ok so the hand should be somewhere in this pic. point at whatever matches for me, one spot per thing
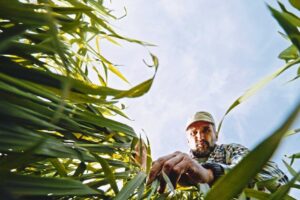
(179, 166)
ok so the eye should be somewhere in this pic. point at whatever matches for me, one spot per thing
(193, 132)
(206, 129)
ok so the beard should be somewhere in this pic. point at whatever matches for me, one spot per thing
(203, 153)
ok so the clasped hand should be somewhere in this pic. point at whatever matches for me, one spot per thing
(181, 169)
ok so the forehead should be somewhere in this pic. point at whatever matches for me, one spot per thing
(199, 124)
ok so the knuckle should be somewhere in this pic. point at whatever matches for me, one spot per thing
(186, 156)
(159, 160)
(154, 163)
(167, 165)
(176, 170)
(151, 173)
(177, 152)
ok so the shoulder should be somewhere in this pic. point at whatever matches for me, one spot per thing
(234, 147)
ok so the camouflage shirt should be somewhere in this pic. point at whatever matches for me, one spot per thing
(229, 155)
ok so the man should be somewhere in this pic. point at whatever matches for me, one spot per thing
(208, 160)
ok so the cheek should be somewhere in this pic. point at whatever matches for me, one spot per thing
(211, 139)
(191, 141)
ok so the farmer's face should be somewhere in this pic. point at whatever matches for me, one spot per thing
(201, 138)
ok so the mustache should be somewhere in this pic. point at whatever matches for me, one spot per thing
(204, 141)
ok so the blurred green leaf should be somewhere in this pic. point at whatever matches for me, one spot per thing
(296, 155)
(270, 184)
(230, 185)
(292, 132)
(256, 194)
(290, 169)
(131, 186)
(283, 190)
(295, 3)
(289, 24)
(22, 185)
(59, 167)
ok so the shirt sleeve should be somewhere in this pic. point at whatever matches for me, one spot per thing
(234, 153)
(227, 156)
(272, 171)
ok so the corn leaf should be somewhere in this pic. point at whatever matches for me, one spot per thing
(231, 184)
(131, 186)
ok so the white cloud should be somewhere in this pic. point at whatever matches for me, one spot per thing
(209, 52)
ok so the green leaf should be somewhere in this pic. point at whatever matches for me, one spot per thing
(230, 185)
(142, 88)
(80, 169)
(149, 158)
(9, 34)
(282, 192)
(255, 88)
(17, 161)
(70, 10)
(296, 186)
(256, 194)
(290, 169)
(105, 122)
(24, 15)
(33, 186)
(292, 132)
(270, 184)
(140, 191)
(288, 22)
(28, 117)
(296, 155)
(154, 187)
(59, 167)
(295, 3)
(109, 175)
(57, 81)
(131, 186)
(298, 75)
(114, 70)
(168, 181)
(290, 53)
(18, 139)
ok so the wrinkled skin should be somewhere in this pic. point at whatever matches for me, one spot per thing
(180, 167)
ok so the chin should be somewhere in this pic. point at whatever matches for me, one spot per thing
(200, 154)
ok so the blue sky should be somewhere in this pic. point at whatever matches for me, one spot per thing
(210, 52)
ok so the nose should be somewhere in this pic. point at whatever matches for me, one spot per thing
(202, 135)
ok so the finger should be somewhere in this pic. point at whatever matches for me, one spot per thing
(157, 166)
(169, 164)
(185, 180)
(190, 169)
(163, 185)
(174, 178)
(182, 166)
(177, 171)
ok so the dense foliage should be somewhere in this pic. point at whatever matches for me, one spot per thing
(58, 136)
